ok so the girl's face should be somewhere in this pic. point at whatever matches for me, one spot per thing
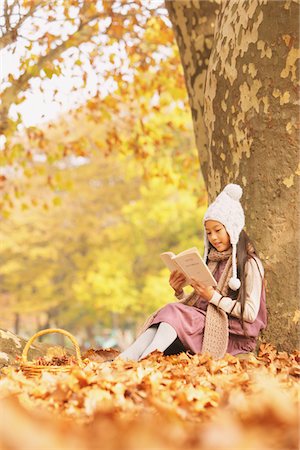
(217, 235)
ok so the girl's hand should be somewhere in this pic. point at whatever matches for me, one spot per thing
(177, 280)
(205, 292)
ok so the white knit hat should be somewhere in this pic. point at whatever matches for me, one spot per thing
(228, 210)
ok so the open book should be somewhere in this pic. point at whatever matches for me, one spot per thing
(190, 263)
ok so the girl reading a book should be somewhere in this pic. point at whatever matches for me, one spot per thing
(224, 319)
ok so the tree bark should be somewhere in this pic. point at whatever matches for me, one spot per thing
(250, 114)
(193, 24)
(17, 322)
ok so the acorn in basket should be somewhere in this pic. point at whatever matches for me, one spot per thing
(56, 360)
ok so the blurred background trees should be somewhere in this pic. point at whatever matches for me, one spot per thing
(90, 197)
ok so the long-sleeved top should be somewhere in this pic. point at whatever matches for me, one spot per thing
(253, 279)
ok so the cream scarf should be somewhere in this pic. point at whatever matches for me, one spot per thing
(215, 340)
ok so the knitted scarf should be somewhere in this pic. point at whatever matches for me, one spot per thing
(215, 339)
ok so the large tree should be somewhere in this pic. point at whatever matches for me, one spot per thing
(239, 60)
(113, 58)
(245, 119)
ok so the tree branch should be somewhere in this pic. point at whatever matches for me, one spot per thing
(81, 35)
(6, 15)
(11, 34)
(9, 95)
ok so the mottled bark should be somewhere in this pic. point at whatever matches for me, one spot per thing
(193, 24)
(251, 112)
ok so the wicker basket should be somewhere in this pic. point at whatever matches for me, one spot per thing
(30, 369)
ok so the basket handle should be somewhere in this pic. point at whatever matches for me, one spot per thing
(52, 330)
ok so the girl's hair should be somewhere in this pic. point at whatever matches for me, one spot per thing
(245, 251)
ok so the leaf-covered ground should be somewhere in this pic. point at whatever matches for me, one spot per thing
(162, 402)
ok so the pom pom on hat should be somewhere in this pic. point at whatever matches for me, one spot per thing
(234, 191)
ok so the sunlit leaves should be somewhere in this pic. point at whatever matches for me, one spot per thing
(96, 251)
(104, 247)
(202, 403)
(144, 93)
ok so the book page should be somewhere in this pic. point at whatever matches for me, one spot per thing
(189, 250)
(168, 259)
(193, 265)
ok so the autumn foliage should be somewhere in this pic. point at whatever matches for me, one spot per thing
(87, 203)
(163, 402)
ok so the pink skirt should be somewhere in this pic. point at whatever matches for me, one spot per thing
(189, 323)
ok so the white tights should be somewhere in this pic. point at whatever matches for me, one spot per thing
(152, 339)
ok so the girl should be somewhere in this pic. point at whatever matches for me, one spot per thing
(225, 319)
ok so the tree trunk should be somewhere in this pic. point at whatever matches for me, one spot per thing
(193, 25)
(17, 323)
(250, 113)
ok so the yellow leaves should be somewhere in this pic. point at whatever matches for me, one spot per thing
(201, 398)
(56, 201)
(95, 398)
(230, 403)
(176, 93)
(28, 3)
(150, 70)
(147, 118)
(90, 9)
(16, 151)
(157, 32)
(117, 30)
(51, 69)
